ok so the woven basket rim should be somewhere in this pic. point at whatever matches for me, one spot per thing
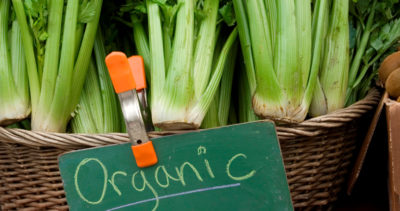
(309, 127)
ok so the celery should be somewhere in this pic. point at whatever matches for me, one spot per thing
(142, 43)
(58, 42)
(335, 67)
(89, 113)
(219, 110)
(182, 39)
(14, 93)
(98, 109)
(245, 109)
(285, 50)
(211, 118)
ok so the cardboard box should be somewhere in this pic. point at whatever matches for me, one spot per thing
(393, 123)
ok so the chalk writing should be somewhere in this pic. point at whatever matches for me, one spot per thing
(202, 151)
(76, 176)
(112, 181)
(167, 176)
(162, 177)
(247, 176)
(223, 168)
(180, 172)
(145, 184)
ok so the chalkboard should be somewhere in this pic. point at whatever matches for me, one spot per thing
(237, 167)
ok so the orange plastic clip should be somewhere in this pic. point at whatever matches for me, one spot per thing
(145, 154)
(120, 72)
(137, 66)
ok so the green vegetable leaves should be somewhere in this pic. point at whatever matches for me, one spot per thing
(87, 11)
(228, 14)
(375, 28)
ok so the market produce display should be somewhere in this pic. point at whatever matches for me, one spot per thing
(311, 66)
(208, 63)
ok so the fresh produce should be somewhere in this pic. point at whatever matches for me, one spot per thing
(58, 40)
(245, 109)
(219, 110)
(299, 57)
(14, 92)
(182, 36)
(374, 30)
(391, 63)
(330, 91)
(282, 48)
(98, 109)
(392, 84)
(389, 74)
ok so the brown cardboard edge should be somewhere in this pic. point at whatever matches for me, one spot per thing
(393, 116)
(365, 145)
(393, 122)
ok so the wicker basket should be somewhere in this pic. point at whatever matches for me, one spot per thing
(317, 155)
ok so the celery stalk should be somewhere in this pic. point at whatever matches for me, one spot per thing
(319, 104)
(203, 54)
(18, 67)
(82, 61)
(142, 44)
(89, 113)
(226, 87)
(267, 91)
(286, 59)
(177, 91)
(111, 108)
(56, 119)
(304, 38)
(98, 110)
(335, 67)
(51, 59)
(245, 109)
(14, 94)
(211, 118)
(197, 113)
(218, 112)
(245, 42)
(320, 19)
(157, 67)
(27, 42)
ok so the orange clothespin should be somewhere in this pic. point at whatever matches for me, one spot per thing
(129, 83)
(137, 66)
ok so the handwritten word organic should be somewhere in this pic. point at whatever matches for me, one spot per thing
(162, 176)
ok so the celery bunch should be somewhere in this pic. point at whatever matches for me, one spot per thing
(58, 40)
(282, 47)
(14, 92)
(178, 47)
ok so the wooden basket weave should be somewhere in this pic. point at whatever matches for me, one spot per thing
(317, 155)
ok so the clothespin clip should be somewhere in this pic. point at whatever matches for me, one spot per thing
(129, 83)
(137, 66)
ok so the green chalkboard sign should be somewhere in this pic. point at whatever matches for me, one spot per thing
(237, 167)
